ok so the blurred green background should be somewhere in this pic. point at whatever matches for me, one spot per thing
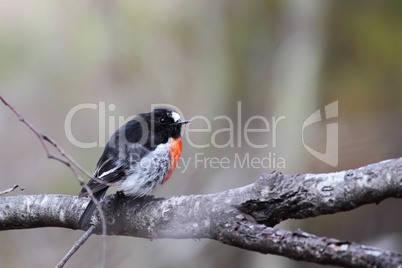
(277, 58)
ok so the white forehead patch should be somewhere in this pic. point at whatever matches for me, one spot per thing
(175, 116)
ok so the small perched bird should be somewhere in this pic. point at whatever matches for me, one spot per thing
(139, 156)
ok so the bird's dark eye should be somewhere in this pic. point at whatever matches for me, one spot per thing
(162, 120)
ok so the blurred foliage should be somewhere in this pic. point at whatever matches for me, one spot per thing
(363, 64)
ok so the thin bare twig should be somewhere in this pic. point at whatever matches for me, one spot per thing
(76, 246)
(68, 161)
(9, 190)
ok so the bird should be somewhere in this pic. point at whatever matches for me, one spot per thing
(140, 156)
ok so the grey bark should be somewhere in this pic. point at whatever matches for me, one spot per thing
(241, 217)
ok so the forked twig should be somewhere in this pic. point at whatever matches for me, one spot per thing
(69, 162)
(9, 190)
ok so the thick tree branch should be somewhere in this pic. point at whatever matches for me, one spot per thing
(282, 197)
(240, 217)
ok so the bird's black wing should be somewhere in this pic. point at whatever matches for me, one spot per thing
(114, 165)
(110, 169)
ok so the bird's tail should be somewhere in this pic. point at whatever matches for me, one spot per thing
(86, 216)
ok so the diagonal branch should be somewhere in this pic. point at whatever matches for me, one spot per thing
(240, 217)
(66, 159)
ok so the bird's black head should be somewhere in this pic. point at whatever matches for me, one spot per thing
(154, 128)
(166, 123)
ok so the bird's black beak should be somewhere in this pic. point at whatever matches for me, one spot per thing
(182, 122)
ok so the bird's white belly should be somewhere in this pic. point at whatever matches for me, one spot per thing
(148, 173)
